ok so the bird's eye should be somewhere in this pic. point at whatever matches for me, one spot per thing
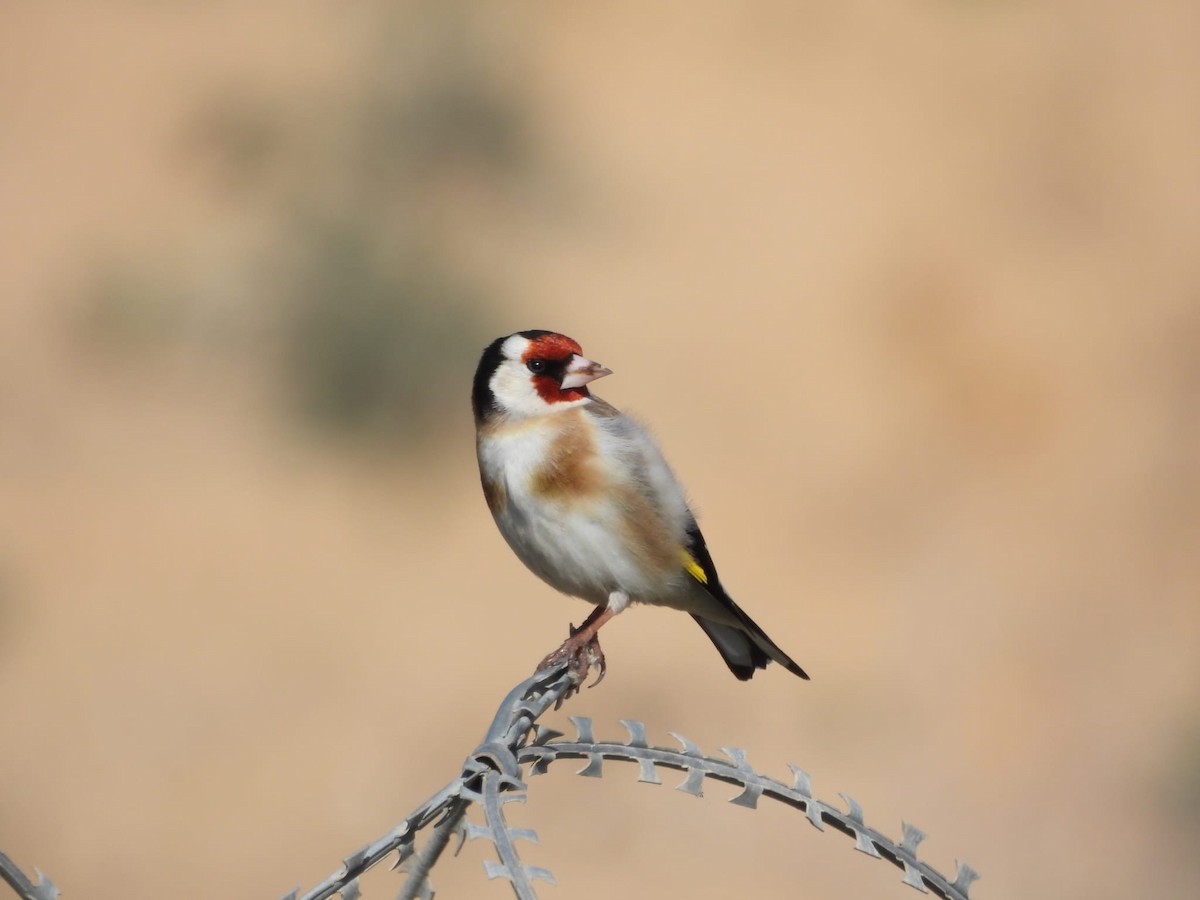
(536, 366)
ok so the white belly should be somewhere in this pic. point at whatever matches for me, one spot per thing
(577, 545)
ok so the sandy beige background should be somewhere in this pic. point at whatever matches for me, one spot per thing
(910, 293)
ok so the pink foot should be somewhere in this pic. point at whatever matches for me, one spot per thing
(581, 652)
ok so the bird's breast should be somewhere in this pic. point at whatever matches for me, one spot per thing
(549, 460)
(569, 471)
(570, 507)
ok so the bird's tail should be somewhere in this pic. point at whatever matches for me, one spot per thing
(747, 648)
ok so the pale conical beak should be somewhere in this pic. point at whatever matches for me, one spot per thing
(581, 371)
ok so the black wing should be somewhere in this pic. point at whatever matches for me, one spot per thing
(746, 647)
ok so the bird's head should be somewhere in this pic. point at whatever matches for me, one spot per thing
(532, 373)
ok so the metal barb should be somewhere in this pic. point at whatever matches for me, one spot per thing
(908, 844)
(474, 831)
(855, 814)
(802, 786)
(352, 864)
(693, 784)
(966, 875)
(801, 780)
(911, 837)
(637, 733)
(647, 774)
(544, 733)
(751, 791)
(689, 748)
(546, 875)
(403, 854)
(912, 877)
(43, 889)
(862, 840)
(594, 767)
(583, 729)
(493, 870)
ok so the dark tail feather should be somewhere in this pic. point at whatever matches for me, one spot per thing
(743, 653)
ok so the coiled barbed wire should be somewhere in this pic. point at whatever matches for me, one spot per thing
(493, 775)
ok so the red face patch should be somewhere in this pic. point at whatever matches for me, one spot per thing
(550, 390)
(554, 348)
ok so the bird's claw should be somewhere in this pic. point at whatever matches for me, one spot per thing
(595, 657)
(580, 656)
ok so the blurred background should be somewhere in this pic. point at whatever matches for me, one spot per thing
(909, 292)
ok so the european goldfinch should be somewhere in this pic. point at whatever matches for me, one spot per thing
(586, 500)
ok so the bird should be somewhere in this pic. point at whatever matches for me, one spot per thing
(586, 500)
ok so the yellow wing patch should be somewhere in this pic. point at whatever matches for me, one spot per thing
(693, 567)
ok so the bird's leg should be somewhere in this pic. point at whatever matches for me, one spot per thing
(582, 649)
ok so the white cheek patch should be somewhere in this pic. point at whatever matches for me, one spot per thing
(513, 387)
(511, 382)
(515, 392)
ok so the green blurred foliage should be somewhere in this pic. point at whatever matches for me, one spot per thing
(371, 346)
(129, 310)
(1180, 780)
(354, 289)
